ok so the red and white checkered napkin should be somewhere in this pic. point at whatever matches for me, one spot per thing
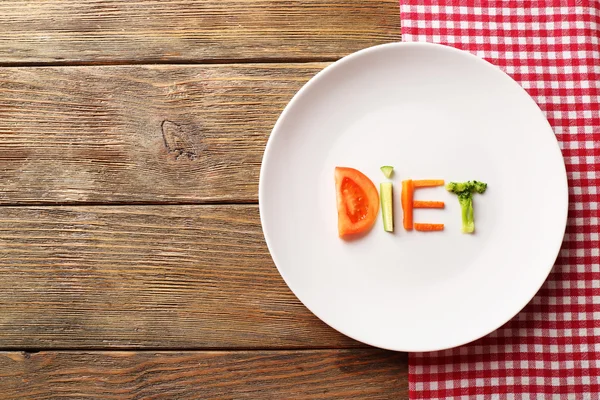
(551, 350)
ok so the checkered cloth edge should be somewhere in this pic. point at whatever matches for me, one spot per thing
(551, 350)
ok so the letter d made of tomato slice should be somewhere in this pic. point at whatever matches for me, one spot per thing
(357, 201)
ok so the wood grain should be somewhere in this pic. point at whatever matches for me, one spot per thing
(325, 374)
(150, 31)
(141, 134)
(146, 276)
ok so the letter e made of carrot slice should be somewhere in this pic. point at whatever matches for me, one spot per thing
(409, 204)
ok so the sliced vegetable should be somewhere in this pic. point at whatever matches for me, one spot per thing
(428, 227)
(387, 171)
(428, 204)
(464, 191)
(408, 190)
(357, 201)
(387, 210)
(428, 182)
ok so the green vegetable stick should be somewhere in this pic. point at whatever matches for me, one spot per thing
(387, 211)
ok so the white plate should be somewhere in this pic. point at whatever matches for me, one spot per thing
(432, 112)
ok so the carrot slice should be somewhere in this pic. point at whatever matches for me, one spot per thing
(428, 182)
(428, 204)
(429, 227)
(408, 190)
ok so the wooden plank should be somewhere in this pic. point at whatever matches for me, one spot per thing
(146, 276)
(325, 374)
(109, 31)
(141, 134)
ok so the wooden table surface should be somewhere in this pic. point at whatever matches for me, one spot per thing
(132, 258)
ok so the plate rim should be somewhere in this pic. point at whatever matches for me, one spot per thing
(359, 53)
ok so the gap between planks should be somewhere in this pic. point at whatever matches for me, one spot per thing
(133, 203)
(196, 349)
(187, 63)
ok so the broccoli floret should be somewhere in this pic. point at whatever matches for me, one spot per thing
(478, 187)
(464, 191)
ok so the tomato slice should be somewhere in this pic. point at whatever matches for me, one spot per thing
(357, 201)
